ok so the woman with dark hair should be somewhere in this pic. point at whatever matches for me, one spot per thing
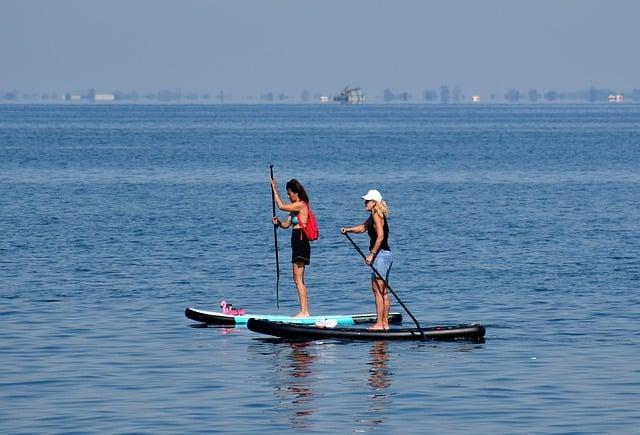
(298, 209)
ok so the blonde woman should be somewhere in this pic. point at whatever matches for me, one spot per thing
(379, 256)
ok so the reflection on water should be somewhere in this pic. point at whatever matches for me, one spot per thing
(378, 372)
(379, 381)
(297, 380)
(303, 379)
(292, 380)
(229, 330)
(299, 384)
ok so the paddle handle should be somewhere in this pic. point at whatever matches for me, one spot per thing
(387, 285)
(273, 196)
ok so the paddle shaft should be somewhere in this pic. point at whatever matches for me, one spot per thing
(275, 237)
(387, 284)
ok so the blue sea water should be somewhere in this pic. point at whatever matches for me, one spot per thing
(114, 219)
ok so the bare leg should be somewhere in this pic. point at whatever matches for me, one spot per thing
(377, 287)
(386, 303)
(298, 279)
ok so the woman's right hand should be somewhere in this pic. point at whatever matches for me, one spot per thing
(275, 221)
(344, 230)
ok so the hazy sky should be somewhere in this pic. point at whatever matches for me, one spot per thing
(252, 46)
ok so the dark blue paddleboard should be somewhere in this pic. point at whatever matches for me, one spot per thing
(472, 332)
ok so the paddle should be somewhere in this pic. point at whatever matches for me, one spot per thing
(275, 236)
(387, 284)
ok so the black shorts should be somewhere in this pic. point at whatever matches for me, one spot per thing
(300, 249)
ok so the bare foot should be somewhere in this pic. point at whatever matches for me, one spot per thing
(301, 314)
(376, 327)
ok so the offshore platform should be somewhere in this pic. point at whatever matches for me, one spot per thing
(350, 96)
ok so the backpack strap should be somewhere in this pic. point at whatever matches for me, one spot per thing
(300, 221)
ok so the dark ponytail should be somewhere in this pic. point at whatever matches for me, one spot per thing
(295, 186)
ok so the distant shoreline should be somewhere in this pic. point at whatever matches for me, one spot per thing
(289, 103)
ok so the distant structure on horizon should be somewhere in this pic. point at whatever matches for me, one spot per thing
(91, 96)
(350, 96)
(104, 97)
(619, 98)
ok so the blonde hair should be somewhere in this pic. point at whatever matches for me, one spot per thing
(382, 209)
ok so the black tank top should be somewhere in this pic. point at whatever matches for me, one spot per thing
(373, 235)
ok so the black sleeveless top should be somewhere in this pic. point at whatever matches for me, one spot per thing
(373, 235)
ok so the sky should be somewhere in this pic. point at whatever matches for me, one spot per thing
(255, 46)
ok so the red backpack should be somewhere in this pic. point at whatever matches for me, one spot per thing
(311, 229)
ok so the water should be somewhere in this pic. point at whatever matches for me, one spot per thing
(115, 218)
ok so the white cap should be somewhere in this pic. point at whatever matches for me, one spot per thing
(374, 195)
